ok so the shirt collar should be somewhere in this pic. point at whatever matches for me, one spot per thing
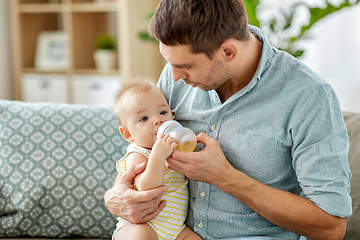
(265, 57)
(266, 53)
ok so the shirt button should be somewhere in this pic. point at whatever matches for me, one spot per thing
(214, 96)
(212, 128)
(202, 194)
(200, 225)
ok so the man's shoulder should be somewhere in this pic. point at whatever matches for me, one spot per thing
(295, 71)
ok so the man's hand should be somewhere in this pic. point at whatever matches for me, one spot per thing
(207, 165)
(282, 208)
(135, 206)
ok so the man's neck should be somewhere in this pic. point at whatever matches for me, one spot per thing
(246, 66)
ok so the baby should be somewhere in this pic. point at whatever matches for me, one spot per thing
(141, 108)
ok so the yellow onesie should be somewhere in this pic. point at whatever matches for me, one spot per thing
(170, 221)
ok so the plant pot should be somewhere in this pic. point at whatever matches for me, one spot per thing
(105, 60)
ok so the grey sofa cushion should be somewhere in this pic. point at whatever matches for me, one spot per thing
(56, 162)
(352, 121)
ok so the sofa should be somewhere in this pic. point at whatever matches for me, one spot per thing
(57, 161)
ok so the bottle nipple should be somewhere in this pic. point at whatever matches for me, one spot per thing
(184, 137)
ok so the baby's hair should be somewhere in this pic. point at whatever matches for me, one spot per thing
(137, 86)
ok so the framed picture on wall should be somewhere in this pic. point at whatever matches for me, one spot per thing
(52, 51)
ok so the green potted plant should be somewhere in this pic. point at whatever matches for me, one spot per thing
(105, 53)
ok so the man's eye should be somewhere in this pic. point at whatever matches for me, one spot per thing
(163, 113)
(143, 119)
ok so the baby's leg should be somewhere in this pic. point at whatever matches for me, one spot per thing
(135, 232)
(188, 234)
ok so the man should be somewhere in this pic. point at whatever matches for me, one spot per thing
(274, 161)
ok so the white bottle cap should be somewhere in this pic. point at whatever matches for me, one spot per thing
(164, 128)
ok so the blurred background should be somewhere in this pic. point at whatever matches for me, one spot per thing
(325, 33)
(49, 47)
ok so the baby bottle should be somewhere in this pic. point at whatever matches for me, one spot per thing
(184, 137)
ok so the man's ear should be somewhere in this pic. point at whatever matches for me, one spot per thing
(126, 134)
(229, 49)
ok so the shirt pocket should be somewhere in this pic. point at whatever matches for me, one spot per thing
(252, 154)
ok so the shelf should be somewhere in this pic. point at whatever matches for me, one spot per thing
(82, 21)
(96, 72)
(94, 7)
(66, 7)
(34, 70)
(72, 71)
(41, 8)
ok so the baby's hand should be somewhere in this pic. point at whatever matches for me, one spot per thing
(164, 146)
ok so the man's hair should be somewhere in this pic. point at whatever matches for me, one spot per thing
(139, 86)
(203, 24)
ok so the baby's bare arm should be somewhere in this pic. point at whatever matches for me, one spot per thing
(153, 176)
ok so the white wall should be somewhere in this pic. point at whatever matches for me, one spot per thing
(335, 54)
(6, 91)
(333, 47)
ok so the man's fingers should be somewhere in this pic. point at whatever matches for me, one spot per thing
(152, 194)
(147, 209)
(203, 138)
(128, 176)
(139, 168)
(179, 156)
(152, 215)
(134, 170)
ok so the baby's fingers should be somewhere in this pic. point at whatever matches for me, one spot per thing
(160, 136)
(171, 141)
(173, 144)
(168, 138)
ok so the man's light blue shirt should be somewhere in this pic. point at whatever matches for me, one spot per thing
(285, 129)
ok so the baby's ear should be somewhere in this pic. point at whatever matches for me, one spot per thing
(126, 134)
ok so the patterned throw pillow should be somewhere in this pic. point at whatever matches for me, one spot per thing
(56, 162)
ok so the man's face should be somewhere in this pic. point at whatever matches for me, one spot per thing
(194, 69)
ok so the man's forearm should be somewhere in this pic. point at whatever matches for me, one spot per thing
(287, 210)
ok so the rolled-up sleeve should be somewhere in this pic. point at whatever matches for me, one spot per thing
(320, 151)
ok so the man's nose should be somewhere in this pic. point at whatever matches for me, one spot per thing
(178, 74)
